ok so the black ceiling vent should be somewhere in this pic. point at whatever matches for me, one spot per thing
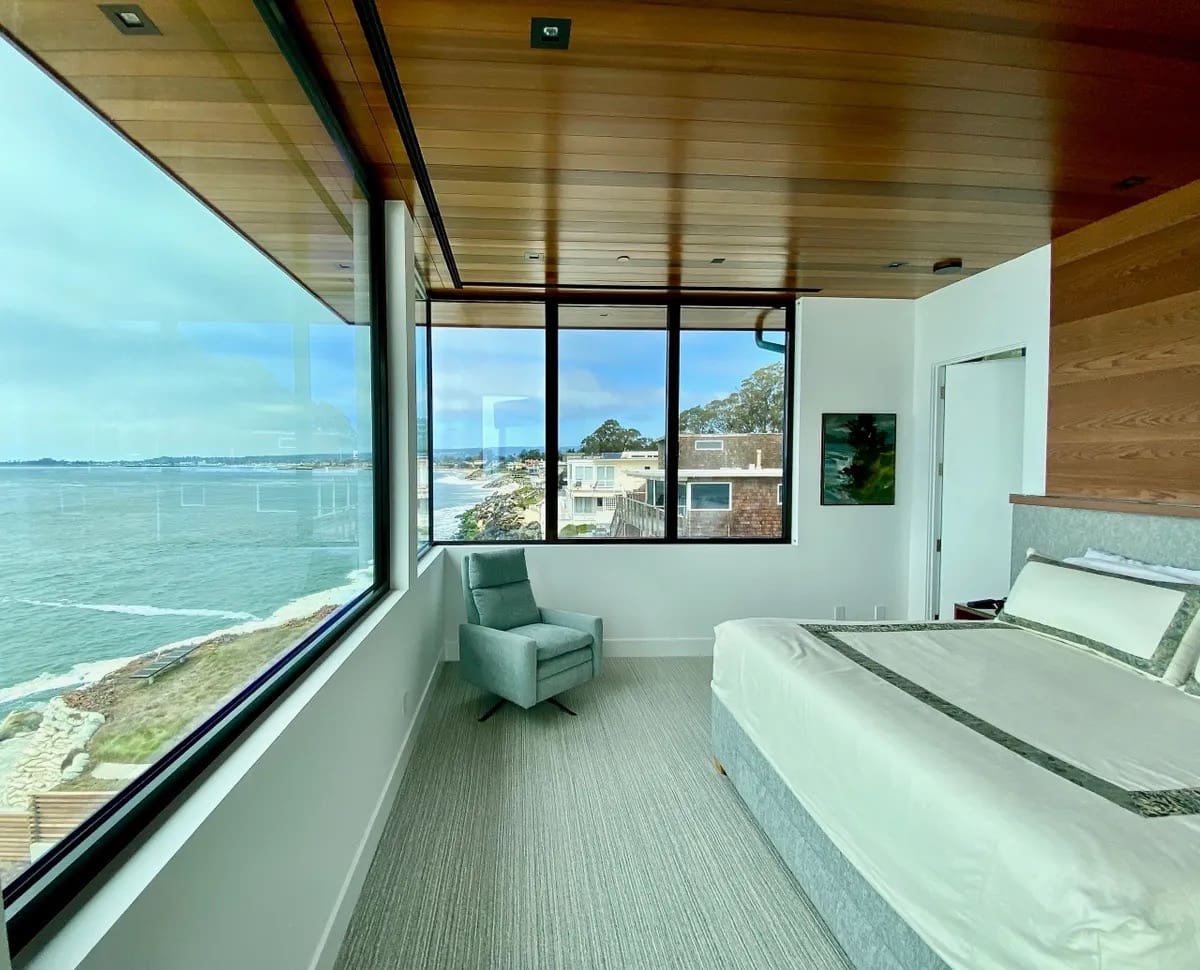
(129, 18)
(550, 32)
(1131, 182)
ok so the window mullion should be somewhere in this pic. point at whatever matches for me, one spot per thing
(671, 442)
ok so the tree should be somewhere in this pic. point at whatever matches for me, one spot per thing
(757, 406)
(612, 437)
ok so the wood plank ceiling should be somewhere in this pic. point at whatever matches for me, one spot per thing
(805, 143)
(215, 101)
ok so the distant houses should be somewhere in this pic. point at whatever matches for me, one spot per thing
(730, 485)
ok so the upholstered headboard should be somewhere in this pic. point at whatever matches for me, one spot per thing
(1062, 532)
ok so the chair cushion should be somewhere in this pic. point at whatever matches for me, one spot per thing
(553, 641)
(497, 568)
(564, 661)
(505, 607)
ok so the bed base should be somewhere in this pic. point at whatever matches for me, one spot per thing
(871, 933)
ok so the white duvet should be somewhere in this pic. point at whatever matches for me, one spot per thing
(996, 861)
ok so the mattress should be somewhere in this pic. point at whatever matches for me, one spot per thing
(1019, 802)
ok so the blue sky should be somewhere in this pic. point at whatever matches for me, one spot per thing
(489, 385)
(133, 322)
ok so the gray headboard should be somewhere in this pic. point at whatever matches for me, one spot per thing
(1060, 533)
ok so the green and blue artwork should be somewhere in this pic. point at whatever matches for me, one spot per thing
(858, 459)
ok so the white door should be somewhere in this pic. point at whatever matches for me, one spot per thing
(982, 439)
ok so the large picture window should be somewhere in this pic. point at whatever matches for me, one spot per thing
(718, 472)
(489, 422)
(612, 412)
(188, 489)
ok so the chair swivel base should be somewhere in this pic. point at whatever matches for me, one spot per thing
(501, 702)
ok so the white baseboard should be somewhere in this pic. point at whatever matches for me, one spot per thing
(335, 929)
(633, 647)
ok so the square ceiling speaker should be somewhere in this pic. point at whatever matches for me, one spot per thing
(550, 32)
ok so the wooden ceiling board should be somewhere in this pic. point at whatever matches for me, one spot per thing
(214, 101)
(812, 143)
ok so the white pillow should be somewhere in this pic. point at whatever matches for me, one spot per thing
(1175, 573)
(1121, 568)
(1149, 625)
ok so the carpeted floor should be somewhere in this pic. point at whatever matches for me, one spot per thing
(538, 840)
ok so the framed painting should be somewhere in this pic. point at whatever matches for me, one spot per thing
(858, 459)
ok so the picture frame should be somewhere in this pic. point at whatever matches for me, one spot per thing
(858, 458)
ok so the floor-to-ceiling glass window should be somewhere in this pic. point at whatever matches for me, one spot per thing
(732, 421)
(612, 405)
(489, 422)
(187, 484)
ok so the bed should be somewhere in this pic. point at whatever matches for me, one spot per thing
(970, 795)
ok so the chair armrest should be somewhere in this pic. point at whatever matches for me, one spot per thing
(498, 661)
(582, 622)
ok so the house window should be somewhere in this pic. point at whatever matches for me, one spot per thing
(489, 407)
(582, 505)
(612, 397)
(710, 496)
(732, 400)
(207, 412)
(611, 369)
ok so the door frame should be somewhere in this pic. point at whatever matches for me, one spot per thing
(933, 575)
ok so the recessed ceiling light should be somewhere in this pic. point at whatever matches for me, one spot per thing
(1132, 182)
(129, 18)
(717, 259)
(553, 33)
(896, 264)
(622, 259)
(947, 266)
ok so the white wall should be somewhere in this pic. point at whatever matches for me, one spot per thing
(259, 866)
(1005, 307)
(853, 355)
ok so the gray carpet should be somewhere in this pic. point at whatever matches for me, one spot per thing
(538, 840)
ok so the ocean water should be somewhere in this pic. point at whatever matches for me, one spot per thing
(453, 495)
(104, 563)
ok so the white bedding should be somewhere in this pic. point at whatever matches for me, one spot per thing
(995, 860)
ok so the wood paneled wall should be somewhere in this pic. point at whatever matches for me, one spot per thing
(1124, 418)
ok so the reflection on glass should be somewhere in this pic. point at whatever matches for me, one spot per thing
(489, 411)
(421, 392)
(612, 415)
(185, 462)
(731, 424)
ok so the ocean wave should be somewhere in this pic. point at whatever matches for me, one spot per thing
(80, 675)
(137, 610)
(459, 480)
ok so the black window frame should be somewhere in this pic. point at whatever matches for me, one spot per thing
(675, 302)
(37, 896)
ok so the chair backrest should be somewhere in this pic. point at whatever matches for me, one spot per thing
(483, 569)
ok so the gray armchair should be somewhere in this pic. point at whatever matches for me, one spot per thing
(511, 647)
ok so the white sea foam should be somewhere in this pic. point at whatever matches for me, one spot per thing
(445, 521)
(137, 610)
(77, 676)
(457, 480)
(83, 674)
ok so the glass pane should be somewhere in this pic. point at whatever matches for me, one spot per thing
(185, 455)
(612, 418)
(731, 423)
(421, 394)
(489, 412)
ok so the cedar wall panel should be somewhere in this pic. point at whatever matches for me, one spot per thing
(1124, 418)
